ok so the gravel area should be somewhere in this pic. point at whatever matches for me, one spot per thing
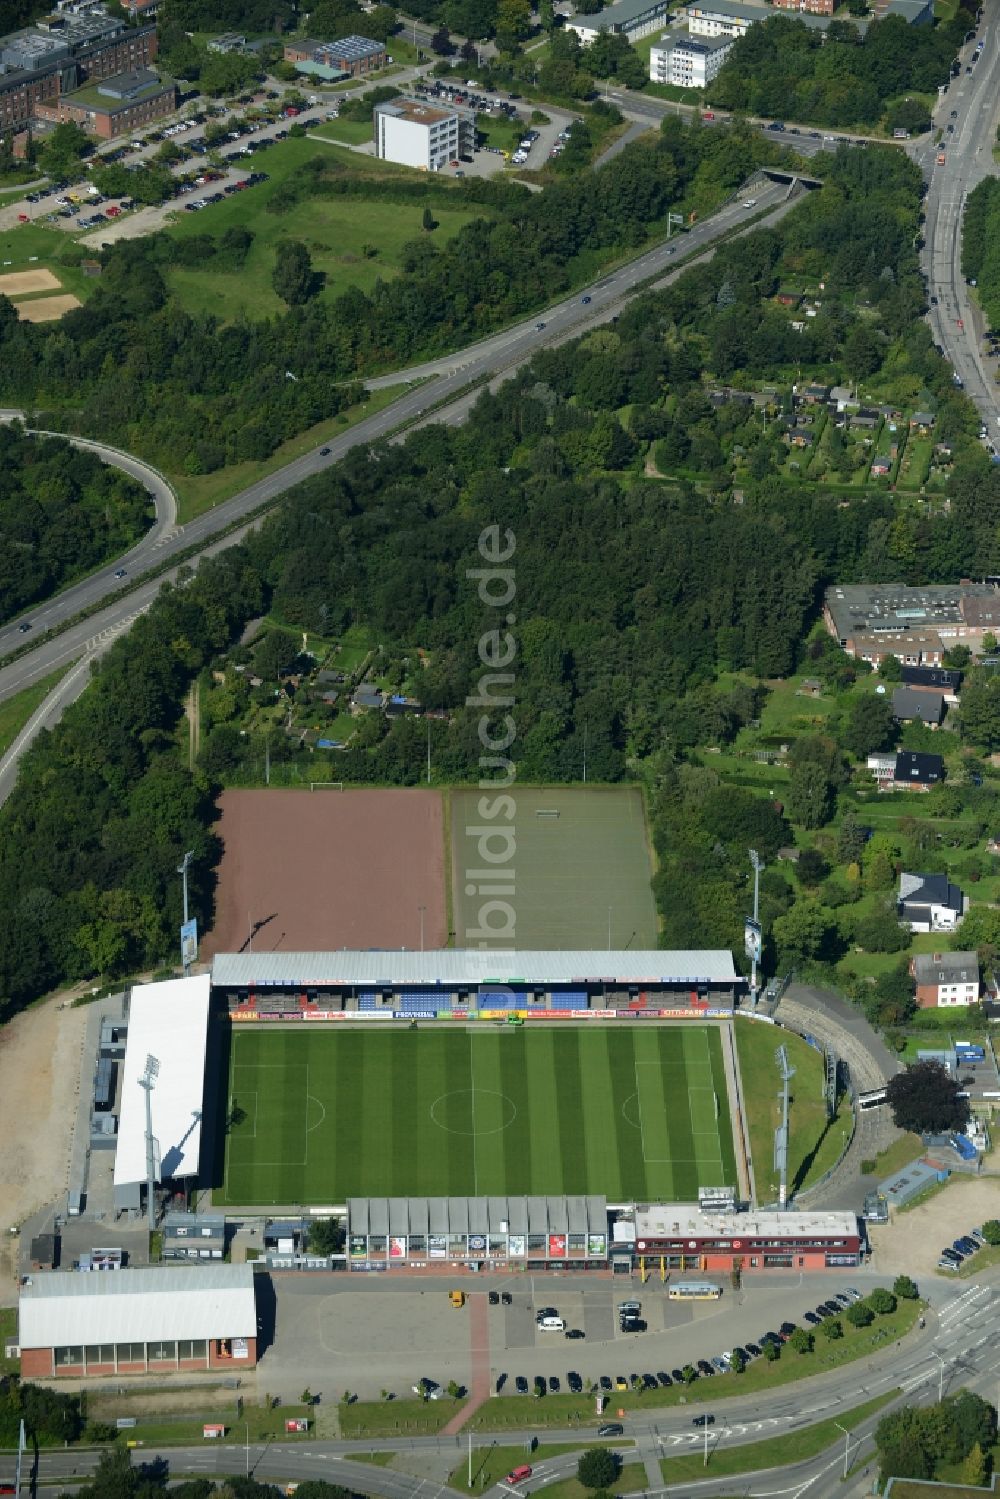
(39, 1085)
(912, 1241)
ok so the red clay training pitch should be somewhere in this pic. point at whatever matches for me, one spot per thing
(310, 871)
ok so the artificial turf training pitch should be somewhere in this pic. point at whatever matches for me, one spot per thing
(638, 1113)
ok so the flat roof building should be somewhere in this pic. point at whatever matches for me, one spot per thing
(350, 57)
(914, 624)
(138, 1322)
(425, 136)
(168, 1022)
(524, 1232)
(693, 1238)
(688, 61)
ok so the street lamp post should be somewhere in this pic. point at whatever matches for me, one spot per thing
(847, 1446)
(940, 1374)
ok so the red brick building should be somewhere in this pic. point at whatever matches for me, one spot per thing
(692, 1239)
(148, 1321)
(61, 53)
(115, 106)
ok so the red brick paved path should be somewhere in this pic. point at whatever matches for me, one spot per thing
(479, 1382)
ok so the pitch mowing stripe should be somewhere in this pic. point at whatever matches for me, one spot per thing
(494, 1115)
(519, 1161)
(546, 1163)
(602, 1121)
(460, 1147)
(570, 1105)
(727, 1146)
(633, 1174)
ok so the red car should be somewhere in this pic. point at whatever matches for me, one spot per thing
(22, 218)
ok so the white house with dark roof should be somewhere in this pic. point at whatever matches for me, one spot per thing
(929, 903)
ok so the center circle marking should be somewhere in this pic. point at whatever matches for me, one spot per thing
(509, 1107)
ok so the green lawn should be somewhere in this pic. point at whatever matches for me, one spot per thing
(812, 1147)
(775, 1452)
(350, 132)
(15, 711)
(8, 1333)
(627, 1113)
(353, 241)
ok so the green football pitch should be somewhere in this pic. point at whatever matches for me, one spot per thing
(638, 1113)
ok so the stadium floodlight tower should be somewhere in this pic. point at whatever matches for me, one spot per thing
(753, 927)
(148, 1082)
(781, 1133)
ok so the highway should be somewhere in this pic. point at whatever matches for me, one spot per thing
(443, 381)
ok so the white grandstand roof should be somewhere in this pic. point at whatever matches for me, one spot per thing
(138, 1306)
(666, 1220)
(458, 968)
(168, 1021)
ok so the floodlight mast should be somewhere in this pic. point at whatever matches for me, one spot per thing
(757, 865)
(781, 1133)
(147, 1082)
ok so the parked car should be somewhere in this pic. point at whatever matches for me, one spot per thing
(605, 1382)
(521, 1385)
(575, 1332)
(663, 1379)
(574, 1381)
(494, 1296)
(554, 1384)
(610, 1429)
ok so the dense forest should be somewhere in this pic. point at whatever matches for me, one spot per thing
(633, 596)
(189, 394)
(62, 513)
(785, 69)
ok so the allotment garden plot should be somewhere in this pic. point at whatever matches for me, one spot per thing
(578, 864)
(637, 1113)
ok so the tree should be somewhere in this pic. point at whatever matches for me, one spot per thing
(801, 1340)
(882, 1301)
(891, 669)
(293, 277)
(326, 1236)
(831, 1328)
(772, 1352)
(991, 1231)
(275, 656)
(869, 725)
(690, 1373)
(975, 1468)
(597, 1468)
(810, 796)
(925, 1099)
(905, 1288)
(428, 221)
(811, 868)
(808, 930)
(860, 1315)
(980, 712)
(738, 1361)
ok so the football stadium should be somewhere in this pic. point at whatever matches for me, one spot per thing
(344, 1076)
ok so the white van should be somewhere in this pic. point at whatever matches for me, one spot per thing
(552, 1324)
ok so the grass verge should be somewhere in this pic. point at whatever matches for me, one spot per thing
(631, 1480)
(391, 1418)
(776, 1452)
(15, 711)
(8, 1334)
(814, 1146)
(493, 1463)
(201, 493)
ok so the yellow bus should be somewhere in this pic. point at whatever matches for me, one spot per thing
(694, 1290)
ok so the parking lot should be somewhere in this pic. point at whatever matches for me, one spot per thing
(411, 1331)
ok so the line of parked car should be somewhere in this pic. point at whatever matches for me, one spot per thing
(723, 1363)
(961, 1249)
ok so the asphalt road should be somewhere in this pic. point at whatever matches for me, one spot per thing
(958, 1347)
(451, 374)
(975, 98)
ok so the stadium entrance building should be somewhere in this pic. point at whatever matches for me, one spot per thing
(145, 1321)
(677, 1236)
(477, 1233)
(462, 984)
